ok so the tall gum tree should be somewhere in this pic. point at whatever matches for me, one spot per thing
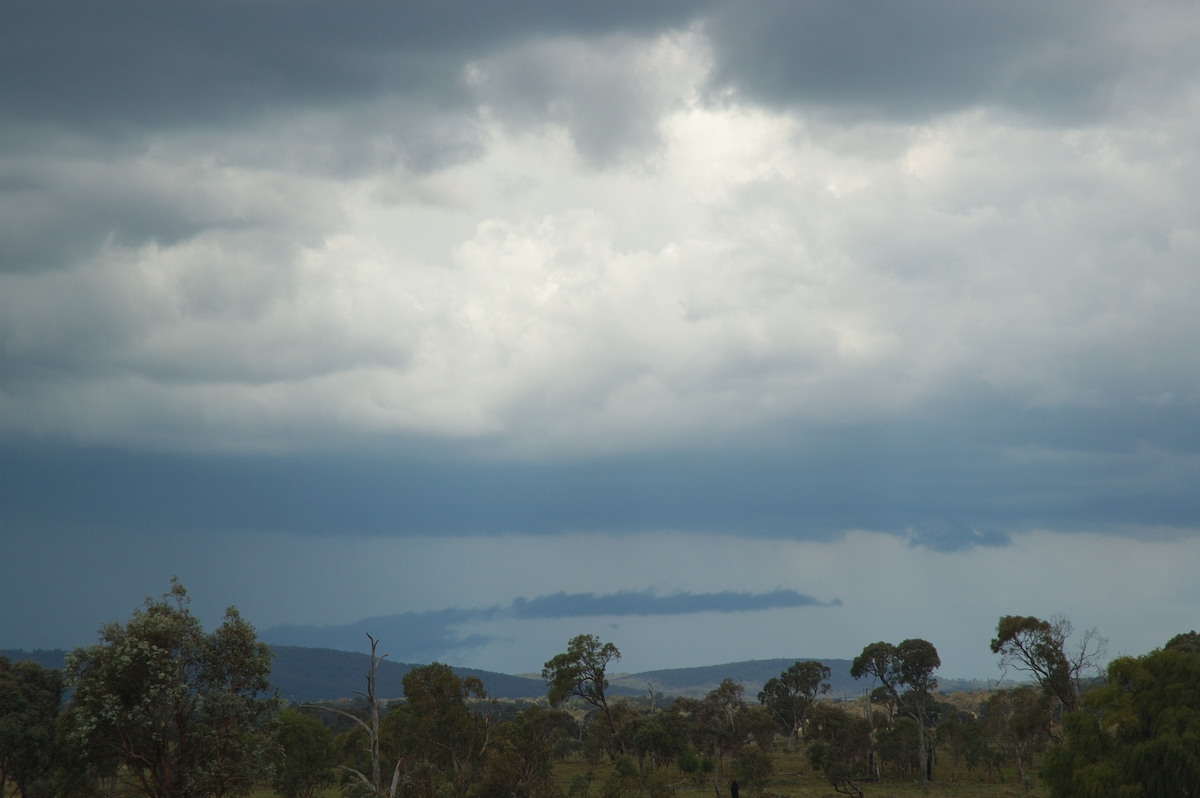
(580, 672)
(791, 694)
(1039, 647)
(908, 666)
(171, 711)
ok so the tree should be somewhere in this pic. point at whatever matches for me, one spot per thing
(519, 763)
(1139, 735)
(840, 747)
(30, 698)
(373, 783)
(909, 665)
(580, 672)
(1039, 647)
(718, 725)
(441, 732)
(1188, 642)
(1018, 722)
(790, 695)
(959, 734)
(305, 755)
(177, 710)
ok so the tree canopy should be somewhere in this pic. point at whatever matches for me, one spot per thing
(580, 671)
(1136, 736)
(909, 666)
(168, 709)
(1039, 647)
(29, 703)
(791, 694)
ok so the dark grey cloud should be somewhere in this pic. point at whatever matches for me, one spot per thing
(961, 475)
(127, 65)
(428, 635)
(951, 536)
(648, 602)
(913, 60)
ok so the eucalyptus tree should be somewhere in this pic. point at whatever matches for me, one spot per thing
(1017, 721)
(840, 746)
(718, 726)
(908, 666)
(305, 754)
(30, 698)
(580, 672)
(520, 758)
(169, 710)
(440, 735)
(1040, 648)
(791, 694)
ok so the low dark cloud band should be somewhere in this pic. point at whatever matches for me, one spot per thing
(429, 635)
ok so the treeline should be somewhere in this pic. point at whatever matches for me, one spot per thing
(160, 708)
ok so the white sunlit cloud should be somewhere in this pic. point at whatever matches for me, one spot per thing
(732, 267)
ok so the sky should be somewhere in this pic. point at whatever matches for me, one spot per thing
(721, 331)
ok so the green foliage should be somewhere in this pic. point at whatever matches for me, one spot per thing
(660, 740)
(896, 745)
(580, 672)
(718, 725)
(1187, 642)
(30, 696)
(305, 755)
(753, 768)
(910, 666)
(1039, 647)
(439, 735)
(960, 737)
(790, 695)
(174, 712)
(1140, 734)
(1018, 722)
(840, 746)
(519, 759)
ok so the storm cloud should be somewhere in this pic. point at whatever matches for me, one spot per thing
(286, 283)
(434, 633)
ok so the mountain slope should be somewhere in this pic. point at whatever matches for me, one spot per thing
(317, 674)
(751, 674)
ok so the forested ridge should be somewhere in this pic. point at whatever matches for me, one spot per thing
(316, 674)
(161, 708)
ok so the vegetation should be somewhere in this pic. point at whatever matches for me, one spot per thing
(580, 672)
(30, 696)
(1039, 648)
(908, 666)
(1139, 733)
(792, 694)
(160, 708)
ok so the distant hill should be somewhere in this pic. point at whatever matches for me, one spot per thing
(750, 674)
(313, 674)
(316, 674)
(753, 674)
